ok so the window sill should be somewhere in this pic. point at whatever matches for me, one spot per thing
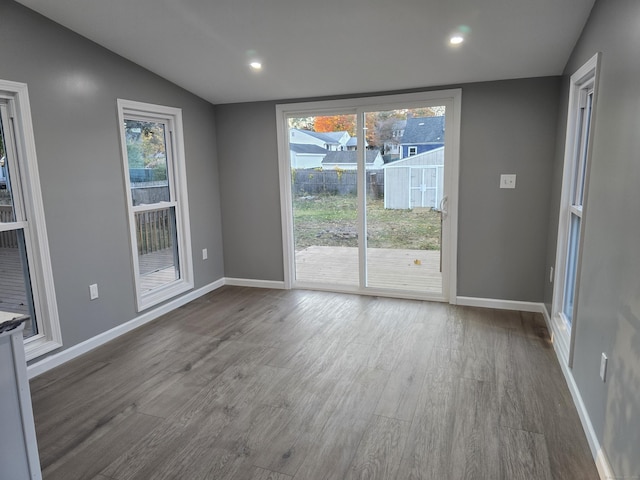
(162, 294)
(40, 345)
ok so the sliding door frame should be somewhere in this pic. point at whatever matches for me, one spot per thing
(451, 99)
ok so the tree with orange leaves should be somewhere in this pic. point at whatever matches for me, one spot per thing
(336, 123)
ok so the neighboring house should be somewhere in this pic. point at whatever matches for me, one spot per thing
(416, 181)
(392, 145)
(332, 141)
(306, 156)
(352, 144)
(347, 160)
(422, 134)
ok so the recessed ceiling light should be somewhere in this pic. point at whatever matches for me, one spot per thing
(255, 65)
(456, 39)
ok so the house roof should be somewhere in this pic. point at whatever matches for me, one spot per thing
(349, 156)
(424, 130)
(328, 137)
(307, 148)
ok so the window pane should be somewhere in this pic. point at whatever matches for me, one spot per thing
(147, 161)
(572, 266)
(157, 248)
(584, 151)
(7, 213)
(323, 155)
(16, 299)
(404, 198)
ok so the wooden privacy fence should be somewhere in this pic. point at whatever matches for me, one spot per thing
(7, 239)
(155, 230)
(335, 182)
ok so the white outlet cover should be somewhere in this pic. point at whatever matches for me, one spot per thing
(603, 367)
(508, 180)
(205, 254)
(93, 291)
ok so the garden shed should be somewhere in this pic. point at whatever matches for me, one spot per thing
(416, 181)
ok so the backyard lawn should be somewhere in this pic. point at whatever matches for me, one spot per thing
(330, 220)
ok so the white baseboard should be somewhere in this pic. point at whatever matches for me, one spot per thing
(500, 304)
(247, 282)
(70, 353)
(600, 457)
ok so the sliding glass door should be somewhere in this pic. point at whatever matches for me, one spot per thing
(405, 199)
(367, 191)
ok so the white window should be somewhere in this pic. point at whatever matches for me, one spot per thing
(26, 283)
(155, 177)
(582, 97)
(413, 151)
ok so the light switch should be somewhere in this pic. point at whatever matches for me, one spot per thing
(93, 291)
(508, 181)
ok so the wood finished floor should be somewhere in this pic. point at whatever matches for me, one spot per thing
(278, 385)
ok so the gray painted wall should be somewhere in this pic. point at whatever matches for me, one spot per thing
(250, 192)
(507, 127)
(608, 317)
(73, 87)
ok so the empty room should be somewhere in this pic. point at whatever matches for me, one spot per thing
(286, 241)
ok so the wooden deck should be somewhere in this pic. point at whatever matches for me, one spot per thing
(156, 269)
(13, 297)
(413, 270)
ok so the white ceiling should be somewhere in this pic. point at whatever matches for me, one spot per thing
(327, 47)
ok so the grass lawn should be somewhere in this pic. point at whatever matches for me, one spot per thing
(330, 220)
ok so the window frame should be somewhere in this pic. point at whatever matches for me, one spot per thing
(412, 151)
(573, 203)
(177, 179)
(31, 206)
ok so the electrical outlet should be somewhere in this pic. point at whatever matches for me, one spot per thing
(93, 291)
(603, 367)
(205, 255)
(507, 181)
(551, 275)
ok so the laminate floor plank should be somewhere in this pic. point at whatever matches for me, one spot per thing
(147, 457)
(400, 396)
(76, 421)
(295, 433)
(262, 384)
(521, 407)
(475, 438)
(523, 455)
(334, 449)
(452, 330)
(380, 451)
(97, 449)
(427, 454)
(483, 348)
(262, 474)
